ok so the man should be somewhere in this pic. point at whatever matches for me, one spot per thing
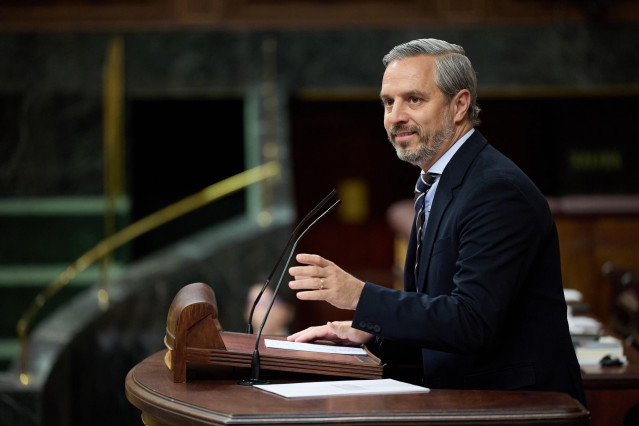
(483, 299)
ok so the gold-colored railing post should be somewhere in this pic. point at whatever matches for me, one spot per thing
(113, 150)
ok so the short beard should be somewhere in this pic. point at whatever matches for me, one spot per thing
(430, 144)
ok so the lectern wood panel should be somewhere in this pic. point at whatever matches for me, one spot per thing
(194, 336)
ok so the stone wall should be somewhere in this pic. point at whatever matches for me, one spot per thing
(50, 83)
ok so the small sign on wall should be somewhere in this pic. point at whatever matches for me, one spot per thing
(355, 206)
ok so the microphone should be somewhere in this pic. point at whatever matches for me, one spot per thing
(255, 360)
(310, 214)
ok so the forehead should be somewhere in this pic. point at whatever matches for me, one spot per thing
(413, 73)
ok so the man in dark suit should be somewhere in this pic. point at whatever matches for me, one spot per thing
(483, 302)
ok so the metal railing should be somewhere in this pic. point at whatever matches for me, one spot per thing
(127, 234)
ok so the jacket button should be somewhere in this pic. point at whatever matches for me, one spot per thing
(362, 324)
(377, 329)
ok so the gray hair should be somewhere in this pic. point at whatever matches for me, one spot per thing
(453, 70)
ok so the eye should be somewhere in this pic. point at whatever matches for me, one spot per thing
(414, 99)
(387, 102)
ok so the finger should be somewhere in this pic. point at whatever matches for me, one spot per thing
(296, 335)
(302, 277)
(308, 271)
(311, 259)
(306, 284)
(310, 334)
(312, 295)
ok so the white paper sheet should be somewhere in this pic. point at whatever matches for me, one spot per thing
(593, 362)
(313, 347)
(341, 387)
(583, 325)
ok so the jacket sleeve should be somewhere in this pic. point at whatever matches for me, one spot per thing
(488, 242)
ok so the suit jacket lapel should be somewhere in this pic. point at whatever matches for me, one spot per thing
(452, 177)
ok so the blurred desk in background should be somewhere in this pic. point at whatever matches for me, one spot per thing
(612, 392)
(595, 230)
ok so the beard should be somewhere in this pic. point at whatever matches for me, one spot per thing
(430, 143)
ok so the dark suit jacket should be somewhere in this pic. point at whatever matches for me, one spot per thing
(487, 309)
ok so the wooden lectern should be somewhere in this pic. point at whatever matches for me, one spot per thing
(214, 401)
(195, 336)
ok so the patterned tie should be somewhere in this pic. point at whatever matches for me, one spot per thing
(421, 188)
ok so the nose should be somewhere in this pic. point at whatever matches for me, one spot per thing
(397, 114)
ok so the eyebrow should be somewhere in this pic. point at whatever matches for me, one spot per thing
(417, 93)
(410, 93)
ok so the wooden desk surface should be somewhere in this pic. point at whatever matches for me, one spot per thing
(626, 376)
(611, 392)
(211, 402)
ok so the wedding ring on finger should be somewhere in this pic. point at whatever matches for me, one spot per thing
(321, 286)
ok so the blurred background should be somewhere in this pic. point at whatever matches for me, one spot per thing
(111, 110)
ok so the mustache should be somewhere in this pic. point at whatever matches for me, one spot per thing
(401, 128)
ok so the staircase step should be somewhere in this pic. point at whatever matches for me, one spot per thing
(9, 351)
(19, 286)
(39, 239)
(51, 230)
(60, 206)
(38, 276)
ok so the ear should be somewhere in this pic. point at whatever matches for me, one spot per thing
(461, 104)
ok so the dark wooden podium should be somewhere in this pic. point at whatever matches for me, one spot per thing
(206, 401)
